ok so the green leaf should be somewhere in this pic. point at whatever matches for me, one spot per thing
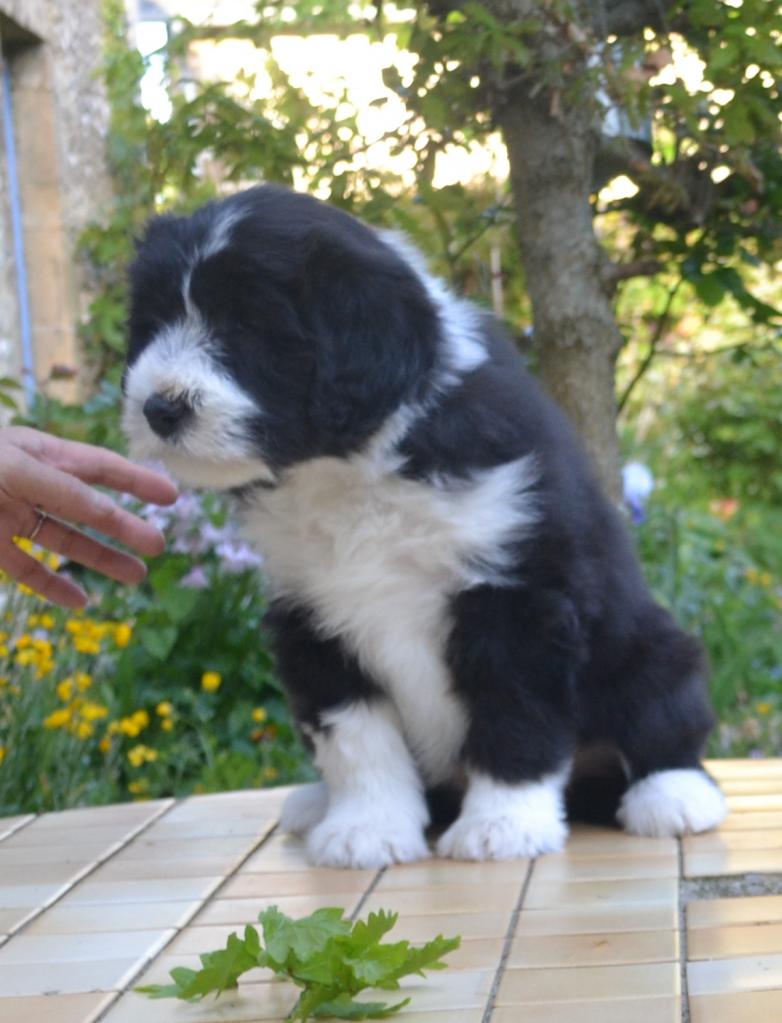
(323, 953)
(158, 640)
(345, 1007)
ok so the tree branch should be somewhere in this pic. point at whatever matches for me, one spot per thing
(654, 340)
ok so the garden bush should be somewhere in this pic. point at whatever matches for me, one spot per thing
(160, 690)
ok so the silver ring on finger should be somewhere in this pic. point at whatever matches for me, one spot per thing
(42, 517)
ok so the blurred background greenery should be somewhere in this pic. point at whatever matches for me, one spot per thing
(170, 688)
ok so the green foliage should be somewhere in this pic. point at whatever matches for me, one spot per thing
(323, 954)
(179, 692)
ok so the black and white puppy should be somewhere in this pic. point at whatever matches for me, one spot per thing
(455, 603)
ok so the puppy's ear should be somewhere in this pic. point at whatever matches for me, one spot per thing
(375, 332)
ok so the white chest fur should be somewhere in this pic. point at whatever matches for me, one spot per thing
(377, 557)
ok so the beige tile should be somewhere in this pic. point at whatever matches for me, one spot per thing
(469, 925)
(753, 909)
(729, 942)
(82, 1008)
(192, 941)
(563, 867)
(251, 1003)
(29, 855)
(621, 1010)
(16, 896)
(250, 828)
(749, 973)
(759, 820)
(442, 873)
(151, 844)
(245, 911)
(10, 919)
(552, 894)
(740, 1007)
(106, 838)
(65, 918)
(154, 869)
(589, 841)
(65, 978)
(170, 890)
(10, 824)
(447, 1016)
(462, 899)
(447, 989)
(745, 861)
(280, 853)
(733, 841)
(124, 815)
(473, 953)
(765, 802)
(646, 980)
(82, 948)
(42, 873)
(610, 919)
(605, 949)
(732, 767)
(318, 881)
(757, 786)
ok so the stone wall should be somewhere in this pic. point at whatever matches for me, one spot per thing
(53, 48)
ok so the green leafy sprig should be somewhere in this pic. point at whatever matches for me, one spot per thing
(327, 956)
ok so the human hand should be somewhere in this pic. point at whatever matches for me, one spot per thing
(44, 486)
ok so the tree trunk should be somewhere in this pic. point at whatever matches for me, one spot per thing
(551, 155)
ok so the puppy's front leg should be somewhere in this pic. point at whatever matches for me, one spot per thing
(370, 810)
(512, 653)
(376, 808)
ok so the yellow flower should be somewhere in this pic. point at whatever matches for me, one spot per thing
(47, 621)
(137, 788)
(58, 718)
(270, 773)
(165, 708)
(763, 708)
(259, 714)
(140, 718)
(167, 725)
(3, 751)
(122, 634)
(85, 645)
(141, 754)
(83, 681)
(105, 744)
(3, 681)
(82, 730)
(211, 681)
(65, 689)
(93, 711)
(4, 651)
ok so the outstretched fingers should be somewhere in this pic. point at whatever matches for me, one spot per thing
(63, 496)
(26, 570)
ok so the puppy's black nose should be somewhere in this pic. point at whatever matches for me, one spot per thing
(166, 415)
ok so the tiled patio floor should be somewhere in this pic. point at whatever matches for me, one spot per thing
(94, 901)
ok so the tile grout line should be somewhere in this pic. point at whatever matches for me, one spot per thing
(186, 922)
(20, 826)
(505, 954)
(85, 872)
(682, 919)
(370, 889)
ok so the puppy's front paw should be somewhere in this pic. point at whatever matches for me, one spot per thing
(304, 808)
(364, 842)
(675, 802)
(501, 837)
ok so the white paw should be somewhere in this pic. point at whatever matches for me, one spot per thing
(304, 808)
(345, 841)
(502, 837)
(672, 803)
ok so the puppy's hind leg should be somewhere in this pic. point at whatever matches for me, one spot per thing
(664, 721)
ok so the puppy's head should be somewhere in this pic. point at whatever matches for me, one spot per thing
(268, 329)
